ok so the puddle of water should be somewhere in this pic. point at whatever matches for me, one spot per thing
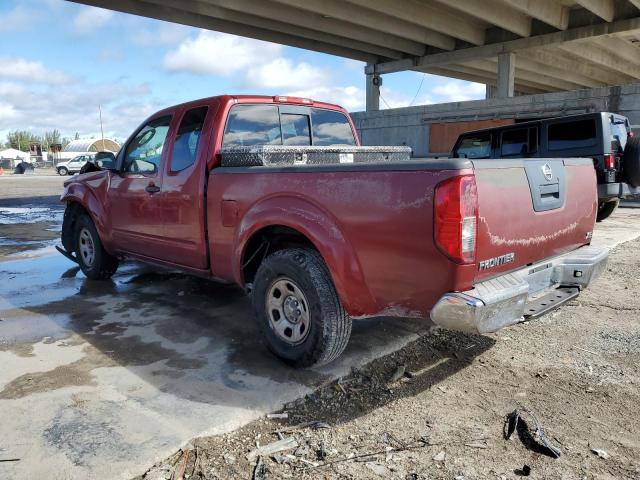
(16, 215)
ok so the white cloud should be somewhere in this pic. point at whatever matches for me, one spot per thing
(212, 53)
(164, 34)
(89, 19)
(350, 97)
(459, 91)
(17, 19)
(283, 73)
(30, 71)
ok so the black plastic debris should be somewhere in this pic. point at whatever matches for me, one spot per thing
(535, 440)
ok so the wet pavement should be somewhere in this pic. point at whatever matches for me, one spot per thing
(102, 379)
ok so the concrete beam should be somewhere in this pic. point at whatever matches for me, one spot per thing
(635, 3)
(506, 75)
(373, 20)
(551, 12)
(556, 70)
(494, 12)
(177, 15)
(374, 83)
(605, 9)
(570, 63)
(620, 47)
(595, 54)
(354, 35)
(430, 16)
(493, 50)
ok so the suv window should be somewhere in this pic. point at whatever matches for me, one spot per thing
(515, 142)
(250, 125)
(475, 146)
(295, 129)
(576, 134)
(330, 128)
(144, 152)
(185, 147)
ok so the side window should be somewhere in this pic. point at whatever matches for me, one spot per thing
(330, 128)
(295, 129)
(515, 142)
(250, 125)
(144, 152)
(185, 147)
(475, 146)
(578, 134)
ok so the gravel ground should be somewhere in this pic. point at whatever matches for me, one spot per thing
(577, 369)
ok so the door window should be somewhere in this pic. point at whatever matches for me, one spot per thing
(295, 129)
(577, 134)
(185, 147)
(331, 128)
(250, 125)
(144, 152)
(515, 142)
(475, 146)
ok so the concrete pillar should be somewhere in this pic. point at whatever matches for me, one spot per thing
(374, 82)
(506, 75)
(490, 91)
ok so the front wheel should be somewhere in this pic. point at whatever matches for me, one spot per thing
(298, 309)
(63, 171)
(93, 259)
(605, 209)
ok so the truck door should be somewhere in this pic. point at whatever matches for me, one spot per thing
(183, 196)
(134, 198)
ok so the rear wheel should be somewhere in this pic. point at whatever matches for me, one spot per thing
(298, 309)
(631, 161)
(605, 209)
(93, 259)
(63, 171)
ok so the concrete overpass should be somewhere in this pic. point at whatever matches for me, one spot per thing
(513, 46)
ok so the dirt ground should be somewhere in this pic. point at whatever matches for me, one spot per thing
(577, 369)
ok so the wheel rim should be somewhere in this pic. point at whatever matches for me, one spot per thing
(86, 247)
(288, 311)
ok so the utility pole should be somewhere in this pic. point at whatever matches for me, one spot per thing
(101, 130)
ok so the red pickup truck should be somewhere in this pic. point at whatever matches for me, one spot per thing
(477, 245)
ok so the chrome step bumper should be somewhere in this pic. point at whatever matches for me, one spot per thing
(508, 299)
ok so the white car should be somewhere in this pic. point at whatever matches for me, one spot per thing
(74, 165)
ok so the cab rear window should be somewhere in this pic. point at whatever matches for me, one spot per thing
(250, 125)
(475, 146)
(331, 128)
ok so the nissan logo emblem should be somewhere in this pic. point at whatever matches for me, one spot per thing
(547, 172)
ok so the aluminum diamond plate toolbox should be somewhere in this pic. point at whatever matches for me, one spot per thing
(281, 155)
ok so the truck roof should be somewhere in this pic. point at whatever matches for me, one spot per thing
(276, 99)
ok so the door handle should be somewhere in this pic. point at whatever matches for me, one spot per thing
(152, 188)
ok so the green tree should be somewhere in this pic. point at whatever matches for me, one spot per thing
(51, 137)
(21, 139)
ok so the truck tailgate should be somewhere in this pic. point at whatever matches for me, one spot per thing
(530, 210)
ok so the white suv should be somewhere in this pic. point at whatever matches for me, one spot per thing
(74, 165)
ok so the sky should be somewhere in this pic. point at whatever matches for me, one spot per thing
(60, 62)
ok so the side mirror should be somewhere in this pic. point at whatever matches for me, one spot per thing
(105, 160)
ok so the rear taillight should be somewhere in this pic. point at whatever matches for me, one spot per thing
(609, 162)
(456, 218)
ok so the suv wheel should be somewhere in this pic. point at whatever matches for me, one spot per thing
(93, 259)
(298, 309)
(605, 209)
(63, 171)
(631, 161)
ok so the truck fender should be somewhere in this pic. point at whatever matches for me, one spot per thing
(322, 230)
(87, 198)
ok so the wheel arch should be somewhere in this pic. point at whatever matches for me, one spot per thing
(82, 200)
(284, 222)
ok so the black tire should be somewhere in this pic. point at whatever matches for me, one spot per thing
(605, 209)
(63, 171)
(631, 161)
(100, 265)
(329, 325)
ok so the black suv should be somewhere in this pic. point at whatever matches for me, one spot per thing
(605, 137)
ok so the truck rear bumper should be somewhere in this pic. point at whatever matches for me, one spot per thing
(607, 191)
(529, 292)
